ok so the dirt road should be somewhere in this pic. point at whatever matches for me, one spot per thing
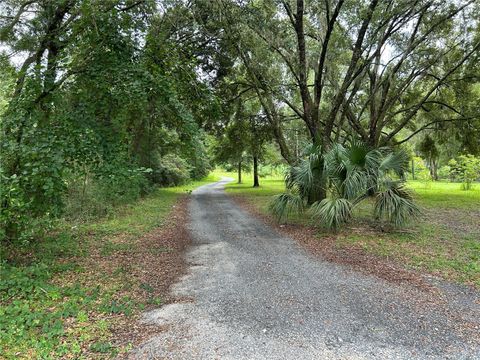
(254, 294)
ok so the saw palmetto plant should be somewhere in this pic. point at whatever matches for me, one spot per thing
(329, 185)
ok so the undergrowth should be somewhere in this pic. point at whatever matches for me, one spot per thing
(53, 307)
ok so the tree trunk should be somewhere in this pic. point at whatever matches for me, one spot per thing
(317, 194)
(318, 191)
(239, 172)
(255, 172)
(433, 170)
(281, 142)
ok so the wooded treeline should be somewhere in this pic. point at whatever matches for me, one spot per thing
(102, 105)
(102, 100)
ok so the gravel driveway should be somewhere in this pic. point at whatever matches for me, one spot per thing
(253, 294)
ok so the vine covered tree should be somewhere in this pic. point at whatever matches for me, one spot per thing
(100, 99)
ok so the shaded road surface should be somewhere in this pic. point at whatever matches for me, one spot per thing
(253, 294)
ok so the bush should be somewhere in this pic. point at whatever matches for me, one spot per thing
(422, 172)
(198, 162)
(200, 168)
(445, 172)
(82, 200)
(93, 192)
(465, 169)
(171, 170)
(31, 184)
(120, 183)
(330, 184)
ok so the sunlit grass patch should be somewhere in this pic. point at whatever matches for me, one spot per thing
(444, 194)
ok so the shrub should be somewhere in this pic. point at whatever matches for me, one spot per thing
(445, 172)
(454, 170)
(30, 195)
(93, 192)
(466, 169)
(329, 185)
(422, 172)
(120, 183)
(198, 161)
(171, 170)
(200, 167)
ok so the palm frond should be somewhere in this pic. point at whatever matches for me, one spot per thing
(373, 159)
(395, 161)
(304, 178)
(355, 183)
(291, 177)
(395, 204)
(334, 160)
(311, 149)
(332, 212)
(286, 204)
(357, 153)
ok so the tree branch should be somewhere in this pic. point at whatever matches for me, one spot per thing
(426, 127)
(414, 111)
(321, 61)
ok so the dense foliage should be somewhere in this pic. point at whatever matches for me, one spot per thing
(102, 107)
(466, 169)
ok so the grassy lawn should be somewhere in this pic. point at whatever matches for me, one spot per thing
(64, 295)
(446, 195)
(445, 241)
(269, 186)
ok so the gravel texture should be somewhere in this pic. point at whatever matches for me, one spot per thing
(258, 295)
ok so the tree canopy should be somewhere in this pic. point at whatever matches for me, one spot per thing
(111, 98)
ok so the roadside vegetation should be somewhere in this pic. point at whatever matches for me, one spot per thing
(443, 241)
(77, 291)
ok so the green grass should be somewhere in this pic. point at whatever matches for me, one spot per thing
(146, 214)
(445, 241)
(446, 195)
(270, 185)
(53, 306)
